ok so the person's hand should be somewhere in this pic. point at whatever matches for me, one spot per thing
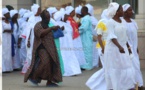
(55, 28)
(11, 31)
(28, 44)
(95, 38)
(137, 51)
(129, 50)
(19, 45)
(79, 24)
(2, 18)
(121, 49)
(102, 51)
(62, 28)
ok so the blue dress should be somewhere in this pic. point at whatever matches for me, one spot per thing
(87, 41)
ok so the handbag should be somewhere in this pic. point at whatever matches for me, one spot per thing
(58, 33)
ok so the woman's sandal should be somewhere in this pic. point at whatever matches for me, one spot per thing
(52, 85)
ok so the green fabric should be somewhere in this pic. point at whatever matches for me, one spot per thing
(58, 51)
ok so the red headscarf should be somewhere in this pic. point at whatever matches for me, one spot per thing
(74, 26)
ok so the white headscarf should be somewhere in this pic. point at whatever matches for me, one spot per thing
(62, 10)
(51, 10)
(4, 11)
(78, 9)
(28, 11)
(34, 8)
(126, 6)
(112, 9)
(69, 9)
(58, 15)
(22, 11)
(13, 12)
(90, 9)
(27, 15)
(104, 14)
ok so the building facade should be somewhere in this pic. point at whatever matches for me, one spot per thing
(99, 6)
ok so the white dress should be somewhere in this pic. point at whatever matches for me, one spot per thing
(133, 42)
(6, 49)
(97, 80)
(78, 49)
(95, 50)
(29, 32)
(16, 61)
(71, 64)
(101, 31)
(23, 52)
(1, 44)
(119, 71)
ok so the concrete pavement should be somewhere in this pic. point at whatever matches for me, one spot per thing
(14, 81)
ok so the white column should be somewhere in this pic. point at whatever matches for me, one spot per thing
(72, 2)
(1, 46)
(141, 6)
(140, 17)
(109, 1)
(38, 2)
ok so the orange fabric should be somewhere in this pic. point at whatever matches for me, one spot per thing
(74, 26)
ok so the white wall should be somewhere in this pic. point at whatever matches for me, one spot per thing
(17, 4)
(25, 4)
(10, 2)
(140, 19)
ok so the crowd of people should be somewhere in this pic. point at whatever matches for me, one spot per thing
(50, 44)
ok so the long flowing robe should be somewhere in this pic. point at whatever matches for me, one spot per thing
(97, 80)
(23, 52)
(6, 48)
(71, 65)
(77, 43)
(29, 32)
(57, 43)
(16, 61)
(133, 42)
(87, 41)
(119, 71)
(95, 50)
(45, 63)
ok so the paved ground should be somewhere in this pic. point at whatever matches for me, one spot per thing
(14, 81)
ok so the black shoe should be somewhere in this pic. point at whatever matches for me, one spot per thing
(7, 72)
(18, 69)
(83, 69)
(141, 88)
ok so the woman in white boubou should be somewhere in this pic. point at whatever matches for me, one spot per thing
(119, 71)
